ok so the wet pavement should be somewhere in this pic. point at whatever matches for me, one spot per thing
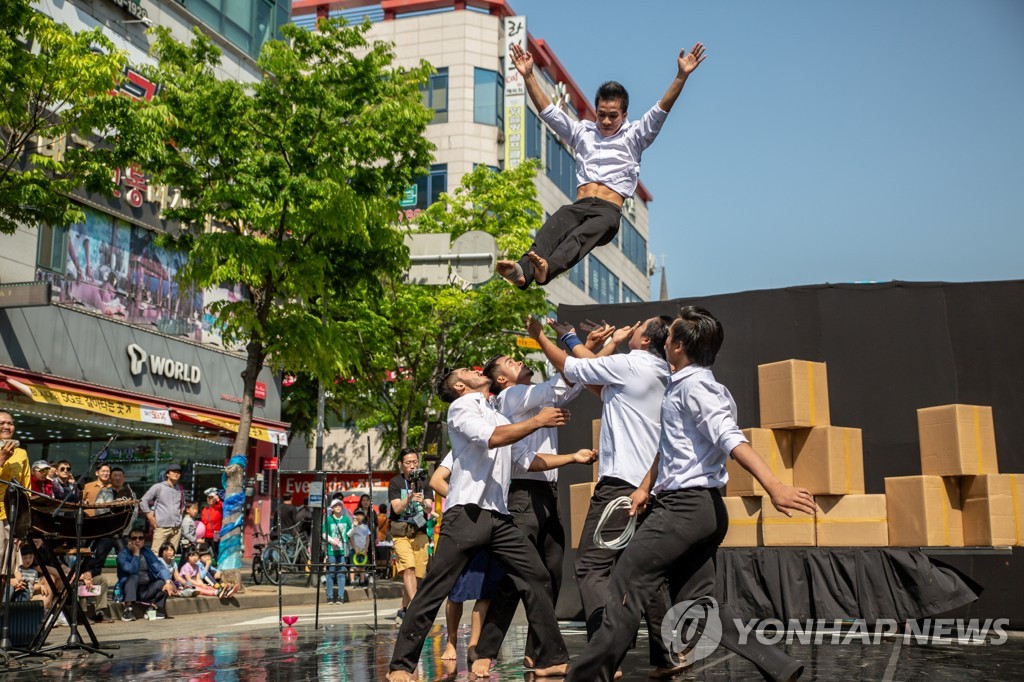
(354, 653)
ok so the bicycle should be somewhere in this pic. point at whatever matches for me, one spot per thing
(258, 568)
(283, 556)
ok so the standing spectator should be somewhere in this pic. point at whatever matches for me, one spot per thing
(384, 544)
(91, 490)
(122, 491)
(360, 536)
(41, 482)
(142, 577)
(336, 543)
(189, 529)
(14, 468)
(212, 518)
(371, 516)
(64, 487)
(408, 525)
(163, 504)
(95, 492)
(286, 512)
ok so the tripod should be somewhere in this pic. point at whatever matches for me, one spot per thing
(74, 639)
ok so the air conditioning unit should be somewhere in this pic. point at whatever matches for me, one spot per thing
(652, 264)
(629, 208)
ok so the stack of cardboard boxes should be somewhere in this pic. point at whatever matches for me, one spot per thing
(961, 499)
(802, 448)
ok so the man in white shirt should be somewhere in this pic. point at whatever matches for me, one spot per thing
(688, 521)
(607, 170)
(477, 518)
(532, 495)
(632, 386)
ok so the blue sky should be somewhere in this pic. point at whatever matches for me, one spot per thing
(833, 141)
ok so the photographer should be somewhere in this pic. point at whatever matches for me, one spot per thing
(408, 524)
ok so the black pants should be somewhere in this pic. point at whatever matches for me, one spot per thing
(679, 541)
(594, 569)
(571, 233)
(465, 530)
(147, 593)
(534, 509)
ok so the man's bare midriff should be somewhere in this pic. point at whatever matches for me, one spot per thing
(595, 190)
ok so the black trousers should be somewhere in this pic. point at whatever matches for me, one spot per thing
(594, 569)
(571, 233)
(679, 540)
(465, 530)
(534, 509)
(148, 593)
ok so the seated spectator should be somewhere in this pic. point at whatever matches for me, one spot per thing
(28, 583)
(64, 487)
(94, 590)
(209, 574)
(190, 575)
(144, 580)
(166, 557)
(41, 482)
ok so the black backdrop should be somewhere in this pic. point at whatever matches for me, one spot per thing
(890, 349)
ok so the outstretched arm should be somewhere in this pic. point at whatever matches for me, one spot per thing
(544, 462)
(524, 65)
(687, 63)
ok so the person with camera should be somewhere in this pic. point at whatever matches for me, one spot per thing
(408, 524)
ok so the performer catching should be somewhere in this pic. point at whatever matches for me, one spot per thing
(688, 521)
(607, 170)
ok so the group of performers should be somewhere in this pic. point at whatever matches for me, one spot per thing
(667, 427)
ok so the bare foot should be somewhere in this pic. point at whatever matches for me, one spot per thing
(399, 676)
(512, 271)
(481, 667)
(449, 653)
(540, 268)
(552, 671)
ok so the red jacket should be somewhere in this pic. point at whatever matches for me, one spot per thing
(45, 486)
(212, 517)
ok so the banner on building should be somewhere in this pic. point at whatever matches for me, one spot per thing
(515, 95)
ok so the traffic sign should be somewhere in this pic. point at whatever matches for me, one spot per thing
(409, 197)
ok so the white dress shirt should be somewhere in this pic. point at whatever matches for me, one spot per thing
(613, 161)
(634, 386)
(698, 431)
(480, 474)
(521, 402)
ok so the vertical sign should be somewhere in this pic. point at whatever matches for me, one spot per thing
(515, 95)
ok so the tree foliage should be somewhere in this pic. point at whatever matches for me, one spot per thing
(410, 333)
(57, 86)
(292, 185)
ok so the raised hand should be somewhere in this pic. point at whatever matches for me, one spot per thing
(689, 62)
(534, 328)
(561, 328)
(522, 59)
(597, 337)
(625, 333)
(552, 416)
(788, 499)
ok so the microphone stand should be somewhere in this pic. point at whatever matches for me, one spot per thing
(74, 639)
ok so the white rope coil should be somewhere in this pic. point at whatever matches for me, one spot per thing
(627, 534)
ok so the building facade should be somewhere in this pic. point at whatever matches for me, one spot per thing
(121, 350)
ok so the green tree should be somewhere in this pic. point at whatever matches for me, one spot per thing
(53, 84)
(410, 333)
(292, 186)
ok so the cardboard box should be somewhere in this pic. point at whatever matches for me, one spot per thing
(1017, 493)
(924, 511)
(851, 521)
(829, 460)
(744, 522)
(579, 505)
(776, 448)
(957, 440)
(779, 530)
(988, 510)
(793, 394)
(595, 438)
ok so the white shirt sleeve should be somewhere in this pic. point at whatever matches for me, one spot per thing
(570, 393)
(648, 127)
(467, 417)
(560, 122)
(713, 413)
(612, 370)
(448, 462)
(520, 398)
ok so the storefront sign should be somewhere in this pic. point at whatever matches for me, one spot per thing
(24, 294)
(269, 463)
(300, 483)
(261, 391)
(515, 94)
(132, 7)
(316, 494)
(110, 407)
(158, 366)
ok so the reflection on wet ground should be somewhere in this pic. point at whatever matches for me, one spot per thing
(354, 653)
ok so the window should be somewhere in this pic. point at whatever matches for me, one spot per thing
(533, 134)
(578, 275)
(435, 95)
(248, 25)
(560, 165)
(604, 286)
(53, 248)
(429, 187)
(630, 296)
(634, 246)
(488, 97)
